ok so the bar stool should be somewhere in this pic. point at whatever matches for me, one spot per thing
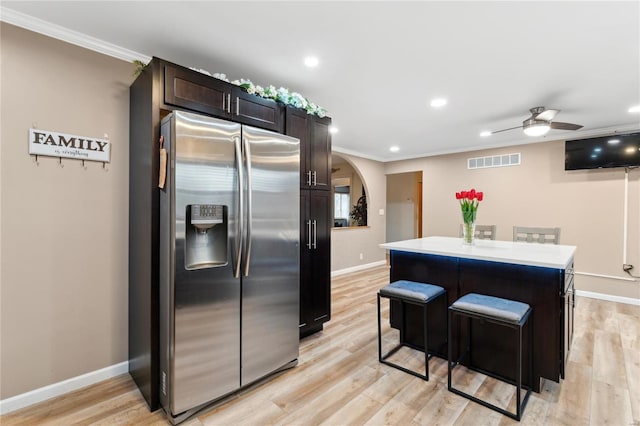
(413, 293)
(504, 312)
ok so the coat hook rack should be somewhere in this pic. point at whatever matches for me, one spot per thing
(73, 147)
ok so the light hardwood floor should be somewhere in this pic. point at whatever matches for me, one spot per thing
(339, 381)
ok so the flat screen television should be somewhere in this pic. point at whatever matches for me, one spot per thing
(603, 152)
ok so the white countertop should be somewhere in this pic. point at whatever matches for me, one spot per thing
(532, 254)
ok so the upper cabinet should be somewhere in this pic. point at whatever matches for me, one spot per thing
(315, 147)
(198, 92)
(256, 111)
(320, 153)
(195, 91)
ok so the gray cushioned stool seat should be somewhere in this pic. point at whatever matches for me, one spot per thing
(418, 292)
(504, 309)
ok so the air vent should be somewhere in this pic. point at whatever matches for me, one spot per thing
(494, 161)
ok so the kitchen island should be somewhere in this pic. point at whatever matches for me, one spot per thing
(538, 274)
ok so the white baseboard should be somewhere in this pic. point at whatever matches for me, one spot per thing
(56, 389)
(610, 298)
(357, 268)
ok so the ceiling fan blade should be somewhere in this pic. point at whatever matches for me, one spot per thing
(547, 114)
(565, 126)
(504, 130)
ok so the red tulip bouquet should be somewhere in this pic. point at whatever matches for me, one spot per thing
(469, 201)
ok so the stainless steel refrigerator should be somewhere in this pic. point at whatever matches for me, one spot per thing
(229, 259)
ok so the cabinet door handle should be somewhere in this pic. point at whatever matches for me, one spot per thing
(315, 176)
(309, 234)
(228, 103)
(315, 234)
(309, 178)
(237, 105)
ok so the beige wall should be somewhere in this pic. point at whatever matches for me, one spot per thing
(348, 243)
(63, 283)
(587, 205)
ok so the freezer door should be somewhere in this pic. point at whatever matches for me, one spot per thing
(203, 296)
(270, 294)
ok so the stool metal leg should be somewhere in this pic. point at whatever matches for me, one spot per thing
(426, 344)
(379, 332)
(449, 348)
(519, 374)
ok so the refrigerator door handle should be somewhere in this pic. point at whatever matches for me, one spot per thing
(240, 218)
(247, 257)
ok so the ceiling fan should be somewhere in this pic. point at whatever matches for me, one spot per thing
(541, 121)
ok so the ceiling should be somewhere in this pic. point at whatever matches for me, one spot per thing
(382, 62)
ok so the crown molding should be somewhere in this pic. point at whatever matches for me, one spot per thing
(340, 150)
(58, 32)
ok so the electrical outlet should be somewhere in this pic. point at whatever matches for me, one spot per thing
(361, 256)
(626, 267)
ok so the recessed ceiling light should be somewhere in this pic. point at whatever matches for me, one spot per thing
(394, 149)
(439, 102)
(634, 109)
(613, 141)
(333, 129)
(485, 133)
(311, 61)
(597, 149)
(629, 150)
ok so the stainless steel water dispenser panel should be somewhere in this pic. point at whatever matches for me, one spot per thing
(206, 236)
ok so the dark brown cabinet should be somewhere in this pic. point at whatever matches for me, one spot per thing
(198, 92)
(256, 111)
(315, 147)
(315, 217)
(319, 161)
(315, 260)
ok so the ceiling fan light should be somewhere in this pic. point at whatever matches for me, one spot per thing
(536, 129)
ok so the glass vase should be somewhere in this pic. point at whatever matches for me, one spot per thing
(468, 232)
